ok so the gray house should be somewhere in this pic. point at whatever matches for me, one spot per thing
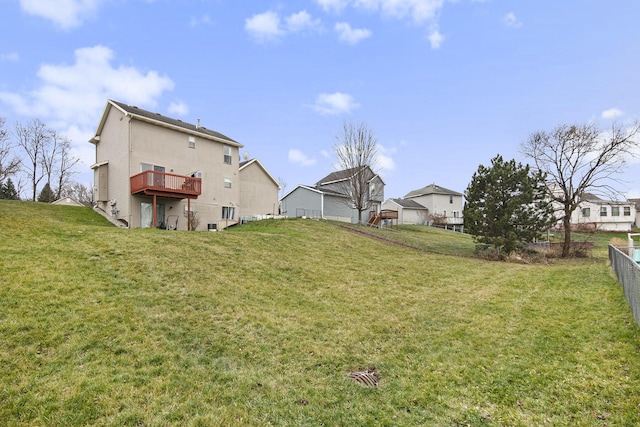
(329, 197)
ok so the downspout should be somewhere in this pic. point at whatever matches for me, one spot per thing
(126, 115)
(321, 205)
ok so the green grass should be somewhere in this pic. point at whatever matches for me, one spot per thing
(261, 324)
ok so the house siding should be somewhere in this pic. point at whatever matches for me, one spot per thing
(439, 204)
(125, 142)
(114, 149)
(337, 208)
(302, 202)
(258, 192)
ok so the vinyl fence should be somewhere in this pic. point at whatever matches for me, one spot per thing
(628, 273)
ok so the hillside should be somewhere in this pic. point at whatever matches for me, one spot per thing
(260, 325)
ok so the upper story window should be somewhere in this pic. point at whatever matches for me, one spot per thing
(192, 142)
(227, 183)
(586, 212)
(615, 210)
(450, 199)
(627, 211)
(227, 154)
(603, 211)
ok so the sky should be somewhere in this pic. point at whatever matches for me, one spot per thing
(443, 85)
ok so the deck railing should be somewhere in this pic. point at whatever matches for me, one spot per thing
(169, 184)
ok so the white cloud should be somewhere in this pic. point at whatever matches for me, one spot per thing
(436, 39)
(611, 113)
(301, 21)
(268, 26)
(70, 98)
(298, 157)
(333, 5)
(264, 26)
(66, 14)
(10, 57)
(385, 160)
(178, 109)
(334, 103)
(200, 20)
(350, 35)
(510, 20)
(420, 11)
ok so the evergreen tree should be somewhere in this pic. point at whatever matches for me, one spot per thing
(46, 195)
(506, 205)
(8, 191)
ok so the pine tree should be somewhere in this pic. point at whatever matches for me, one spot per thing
(506, 205)
(8, 191)
(46, 195)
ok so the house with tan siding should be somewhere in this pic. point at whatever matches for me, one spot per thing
(151, 170)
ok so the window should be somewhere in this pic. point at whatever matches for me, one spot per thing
(227, 183)
(450, 199)
(586, 212)
(227, 154)
(456, 214)
(192, 142)
(615, 210)
(627, 211)
(603, 211)
(228, 212)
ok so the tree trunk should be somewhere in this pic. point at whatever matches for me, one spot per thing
(566, 246)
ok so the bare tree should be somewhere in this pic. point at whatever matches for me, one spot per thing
(33, 138)
(577, 159)
(66, 161)
(9, 164)
(357, 152)
(79, 192)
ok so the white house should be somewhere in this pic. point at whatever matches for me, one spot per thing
(595, 213)
(432, 204)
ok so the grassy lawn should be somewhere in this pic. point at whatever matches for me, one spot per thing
(260, 325)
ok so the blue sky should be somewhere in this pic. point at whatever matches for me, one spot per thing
(443, 85)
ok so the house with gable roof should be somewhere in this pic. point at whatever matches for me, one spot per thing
(151, 170)
(596, 214)
(329, 197)
(428, 205)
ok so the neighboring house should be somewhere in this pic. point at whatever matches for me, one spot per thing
(258, 190)
(636, 202)
(152, 170)
(409, 211)
(444, 206)
(67, 201)
(329, 199)
(595, 213)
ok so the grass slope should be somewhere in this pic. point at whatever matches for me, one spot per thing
(260, 326)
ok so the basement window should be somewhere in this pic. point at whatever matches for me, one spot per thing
(228, 212)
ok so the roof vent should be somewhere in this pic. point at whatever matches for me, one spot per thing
(198, 125)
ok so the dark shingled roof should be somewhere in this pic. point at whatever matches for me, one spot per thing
(409, 204)
(342, 175)
(432, 189)
(174, 122)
